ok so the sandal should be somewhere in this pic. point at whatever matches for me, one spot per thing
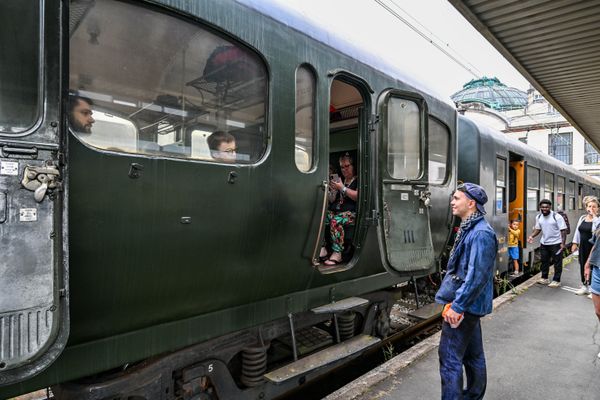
(323, 253)
(333, 260)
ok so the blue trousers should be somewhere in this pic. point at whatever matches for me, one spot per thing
(462, 346)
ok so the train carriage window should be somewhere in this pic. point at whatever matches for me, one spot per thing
(549, 186)
(404, 139)
(166, 87)
(571, 194)
(580, 197)
(305, 118)
(560, 193)
(19, 69)
(439, 137)
(500, 185)
(533, 188)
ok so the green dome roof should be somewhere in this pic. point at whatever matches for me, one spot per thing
(492, 93)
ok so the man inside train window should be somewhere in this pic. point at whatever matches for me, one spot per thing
(80, 114)
(222, 146)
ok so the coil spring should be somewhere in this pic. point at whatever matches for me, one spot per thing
(254, 365)
(346, 325)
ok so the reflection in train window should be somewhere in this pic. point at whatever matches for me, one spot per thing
(305, 117)
(500, 185)
(439, 136)
(533, 188)
(404, 139)
(560, 190)
(580, 197)
(164, 86)
(571, 194)
(549, 186)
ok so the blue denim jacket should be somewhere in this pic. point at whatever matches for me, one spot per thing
(469, 281)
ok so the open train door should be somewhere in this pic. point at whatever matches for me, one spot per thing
(34, 322)
(403, 195)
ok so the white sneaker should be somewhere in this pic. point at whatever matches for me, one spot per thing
(589, 296)
(543, 281)
(554, 284)
(583, 290)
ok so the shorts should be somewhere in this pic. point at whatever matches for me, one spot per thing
(513, 253)
(595, 280)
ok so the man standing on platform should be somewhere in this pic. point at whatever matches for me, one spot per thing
(467, 292)
(554, 235)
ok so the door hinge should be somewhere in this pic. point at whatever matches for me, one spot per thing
(373, 121)
(373, 218)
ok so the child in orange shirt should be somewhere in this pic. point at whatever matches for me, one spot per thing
(513, 244)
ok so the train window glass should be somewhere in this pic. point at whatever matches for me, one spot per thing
(549, 186)
(560, 193)
(166, 87)
(439, 136)
(533, 188)
(19, 69)
(404, 144)
(500, 185)
(571, 194)
(580, 197)
(305, 118)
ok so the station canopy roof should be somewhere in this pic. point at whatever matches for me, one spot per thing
(492, 93)
(555, 44)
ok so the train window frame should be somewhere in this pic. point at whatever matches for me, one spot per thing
(560, 193)
(500, 185)
(533, 188)
(571, 204)
(443, 128)
(38, 51)
(389, 136)
(549, 189)
(185, 90)
(298, 152)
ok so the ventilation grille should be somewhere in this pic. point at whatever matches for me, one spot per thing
(23, 334)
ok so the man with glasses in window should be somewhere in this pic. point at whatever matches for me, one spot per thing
(80, 114)
(467, 291)
(222, 147)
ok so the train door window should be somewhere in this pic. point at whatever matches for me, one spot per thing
(439, 138)
(404, 139)
(549, 186)
(305, 118)
(533, 188)
(20, 66)
(174, 82)
(571, 195)
(560, 193)
(500, 185)
(580, 196)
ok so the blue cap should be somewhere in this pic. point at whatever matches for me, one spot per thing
(474, 192)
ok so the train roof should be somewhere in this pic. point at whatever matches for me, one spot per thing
(293, 19)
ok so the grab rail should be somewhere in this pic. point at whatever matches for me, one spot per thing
(318, 243)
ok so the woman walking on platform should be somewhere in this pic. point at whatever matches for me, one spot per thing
(586, 225)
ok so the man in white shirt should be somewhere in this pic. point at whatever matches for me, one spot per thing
(554, 235)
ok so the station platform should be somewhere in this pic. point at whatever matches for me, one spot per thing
(540, 343)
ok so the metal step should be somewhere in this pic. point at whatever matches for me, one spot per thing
(322, 358)
(342, 305)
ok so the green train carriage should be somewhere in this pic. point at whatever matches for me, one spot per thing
(153, 267)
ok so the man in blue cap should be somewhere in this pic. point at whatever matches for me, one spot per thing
(467, 292)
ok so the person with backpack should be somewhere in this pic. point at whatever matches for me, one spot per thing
(553, 228)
